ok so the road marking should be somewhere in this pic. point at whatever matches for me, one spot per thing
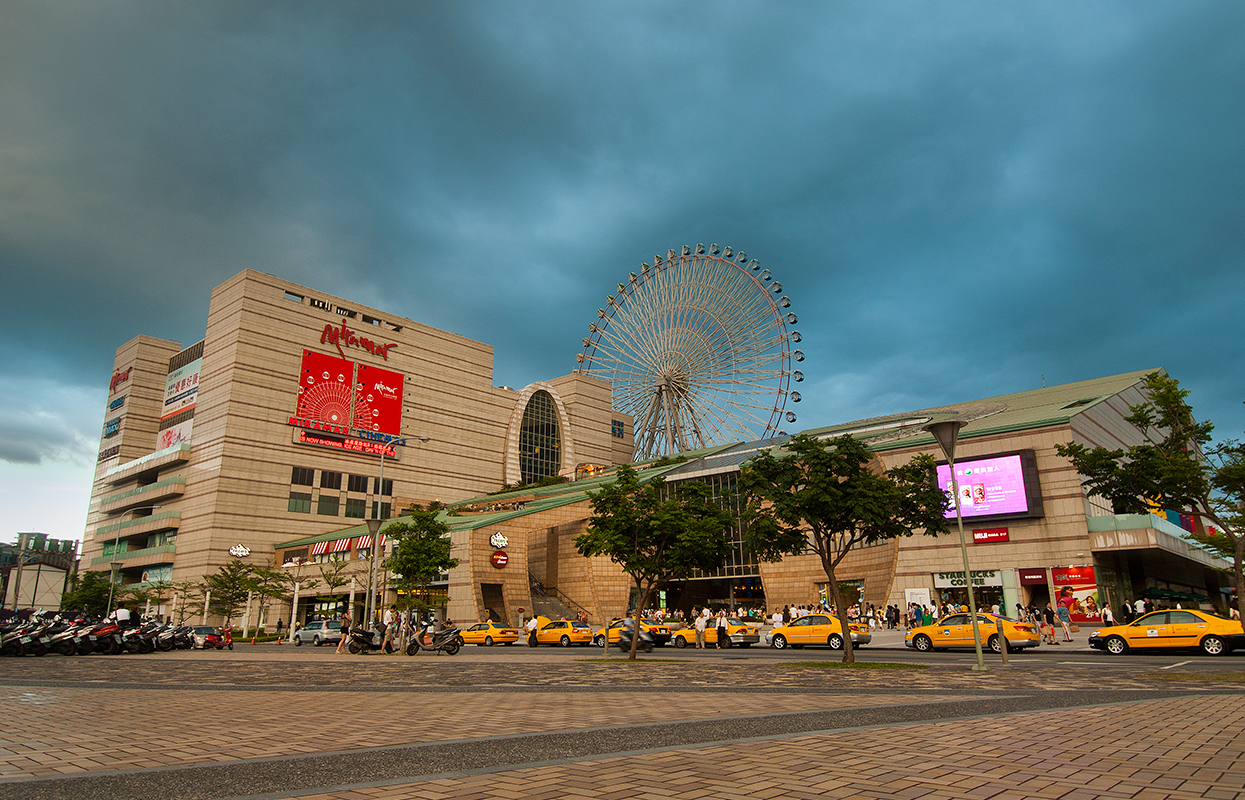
(1177, 664)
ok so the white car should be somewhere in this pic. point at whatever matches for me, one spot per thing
(319, 632)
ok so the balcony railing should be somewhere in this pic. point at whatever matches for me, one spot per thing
(130, 555)
(160, 490)
(165, 520)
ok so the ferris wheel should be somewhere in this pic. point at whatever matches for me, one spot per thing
(698, 350)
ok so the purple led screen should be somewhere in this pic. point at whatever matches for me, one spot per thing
(988, 486)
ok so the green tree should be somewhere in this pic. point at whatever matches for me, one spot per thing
(834, 497)
(88, 593)
(1173, 468)
(420, 554)
(140, 594)
(229, 586)
(188, 595)
(655, 535)
(333, 573)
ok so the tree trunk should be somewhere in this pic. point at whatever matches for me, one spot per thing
(640, 604)
(849, 652)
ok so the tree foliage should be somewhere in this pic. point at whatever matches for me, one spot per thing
(833, 497)
(88, 593)
(654, 534)
(1173, 468)
(420, 554)
(228, 586)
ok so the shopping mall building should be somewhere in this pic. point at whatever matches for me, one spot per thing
(271, 441)
(277, 425)
(1033, 534)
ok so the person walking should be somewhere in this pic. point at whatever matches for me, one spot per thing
(702, 621)
(722, 637)
(1065, 621)
(341, 646)
(1048, 625)
(531, 633)
(1108, 618)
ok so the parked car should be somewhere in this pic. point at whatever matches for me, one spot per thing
(200, 631)
(956, 631)
(816, 629)
(738, 633)
(487, 634)
(562, 632)
(1175, 628)
(319, 632)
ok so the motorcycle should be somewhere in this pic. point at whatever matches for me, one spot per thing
(219, 640)
(365, 641)
(447, 640)
(645, 644)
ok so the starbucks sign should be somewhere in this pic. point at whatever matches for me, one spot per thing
(981, 577)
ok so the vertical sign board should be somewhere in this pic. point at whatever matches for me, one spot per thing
(324, 388)
(181, 387)
(1076, 588)
(378, 400)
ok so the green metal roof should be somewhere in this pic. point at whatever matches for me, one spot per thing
(332, 536)
(1035, 408)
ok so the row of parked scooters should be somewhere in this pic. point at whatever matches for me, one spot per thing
(40, 635)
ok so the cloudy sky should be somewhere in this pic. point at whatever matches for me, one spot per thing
(961, 199)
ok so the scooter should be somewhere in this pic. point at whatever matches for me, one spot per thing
(365, 641)
(446, 641)
(218, 640)
(645, 644)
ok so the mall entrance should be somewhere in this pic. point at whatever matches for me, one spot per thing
(680, 597)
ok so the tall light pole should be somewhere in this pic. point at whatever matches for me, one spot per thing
(947, 433)
(116, 565)
(373, 525)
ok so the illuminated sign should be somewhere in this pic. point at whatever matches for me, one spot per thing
(981, 577)
(500, 559)
(112, 427)
(119, 378)
(115, 404)
(239, 551)
(351, 445)
(1033, 576)
(1001, 486)
(498, 540)
(984, 535)
(317, 425)
(378, 400)
(343, 335)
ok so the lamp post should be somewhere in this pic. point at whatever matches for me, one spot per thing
(373, 525)
(947, 432)
(116, 542)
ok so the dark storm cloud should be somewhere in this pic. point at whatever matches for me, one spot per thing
(961, 198)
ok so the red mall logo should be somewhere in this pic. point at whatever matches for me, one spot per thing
(119, 378)
(500, 559)
(343, 335)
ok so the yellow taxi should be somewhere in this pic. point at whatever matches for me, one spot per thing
(737, 633)
(562, 632)
(955, 630)
(1172, 628)
(660, 633)
(487, 634)
(816, 629)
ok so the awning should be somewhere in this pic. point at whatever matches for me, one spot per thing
(319, 548)
(339, 545)
(365, 542)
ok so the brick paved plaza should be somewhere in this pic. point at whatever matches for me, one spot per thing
(278, 722)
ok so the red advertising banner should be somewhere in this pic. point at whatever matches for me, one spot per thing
(1076, 588)
(983, 535)
(324, 388)
(378, 400)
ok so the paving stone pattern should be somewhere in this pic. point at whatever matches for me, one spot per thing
(1171, 749)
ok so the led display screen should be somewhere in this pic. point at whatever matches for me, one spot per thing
(1004, 485)
(378, 400)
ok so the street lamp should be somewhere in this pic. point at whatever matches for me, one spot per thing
(116, 542)
(373, 525)
(947, 432)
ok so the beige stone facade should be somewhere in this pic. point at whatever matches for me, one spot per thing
(175, 510)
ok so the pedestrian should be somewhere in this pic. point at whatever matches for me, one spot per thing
(723, 639)
(701, 622)
(391, 615)
(531, 633)
(1108, 618)
(1065, 621)
(1048, 625)
(341, 645)
(279, 626)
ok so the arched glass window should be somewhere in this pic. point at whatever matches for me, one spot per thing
(540, 440)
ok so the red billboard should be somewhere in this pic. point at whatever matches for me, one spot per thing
(982, 535)
(324, 388)
(1077, 589)
(378, 400)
